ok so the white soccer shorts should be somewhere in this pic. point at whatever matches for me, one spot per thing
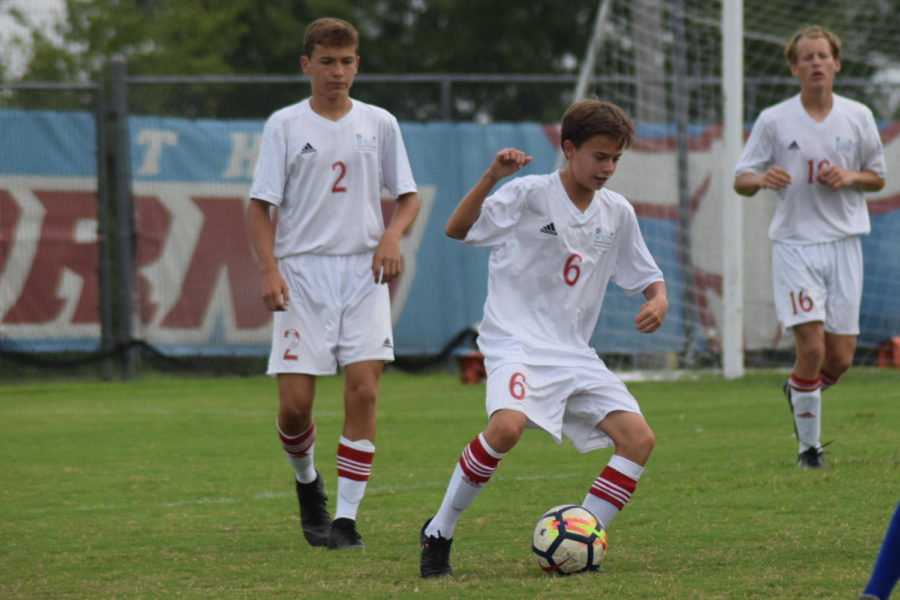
(819, 282)
(337, 315)
(561, 400)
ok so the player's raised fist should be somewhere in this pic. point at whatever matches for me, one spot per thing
(508, 161)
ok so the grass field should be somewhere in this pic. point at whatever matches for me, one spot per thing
(178, 488)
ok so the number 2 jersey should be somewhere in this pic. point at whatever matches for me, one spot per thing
(549, 268)
(326, 177)
(808, 211)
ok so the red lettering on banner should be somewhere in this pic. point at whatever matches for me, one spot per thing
(9, 218)
(222, 244)
(153, 223)
(705, 281)
(57, 251)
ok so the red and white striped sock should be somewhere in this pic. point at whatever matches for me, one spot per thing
(828, 380)
(475, 467)
(354, 465)
(806, 398)
(612, 489)
(299, 450)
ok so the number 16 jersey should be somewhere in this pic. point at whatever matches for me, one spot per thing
(808, 211)
(549, 268)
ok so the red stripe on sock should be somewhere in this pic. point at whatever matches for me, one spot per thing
(299, 445)
(354, 464)
(828, 379)
(613, 487)
(804, 385)
(476, 463)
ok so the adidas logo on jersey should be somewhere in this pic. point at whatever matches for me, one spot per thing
(387, 343)
(308, 149)
(794, 146)
(549, 228)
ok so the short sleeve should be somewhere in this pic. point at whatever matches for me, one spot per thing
(499, 214)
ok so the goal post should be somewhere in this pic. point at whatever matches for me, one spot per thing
(732, 206)
(694, 75)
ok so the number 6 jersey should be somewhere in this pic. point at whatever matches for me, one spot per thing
(549, 268)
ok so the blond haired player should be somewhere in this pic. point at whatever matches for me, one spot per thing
(557, 241)
(820, 152)
(322, 164)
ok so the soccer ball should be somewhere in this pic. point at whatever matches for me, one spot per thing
(568, 539)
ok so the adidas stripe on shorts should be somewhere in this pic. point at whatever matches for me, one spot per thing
(337, 315)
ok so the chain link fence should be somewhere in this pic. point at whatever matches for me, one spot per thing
(122, 244)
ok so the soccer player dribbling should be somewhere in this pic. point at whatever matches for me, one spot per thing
(557, 240)
(322, 164)
(820, 152)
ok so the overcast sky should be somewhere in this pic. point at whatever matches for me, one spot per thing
(42, 12)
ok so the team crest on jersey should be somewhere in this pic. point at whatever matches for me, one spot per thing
(845, 145)
(366, 144)
(603, 239)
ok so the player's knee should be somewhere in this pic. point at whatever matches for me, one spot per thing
(503, 433)
(362, 394)
(644, 440)
(293, 417)
(637, 444)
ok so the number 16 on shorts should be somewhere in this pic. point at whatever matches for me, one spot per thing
(801, 302)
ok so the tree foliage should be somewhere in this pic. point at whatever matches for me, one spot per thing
(403, 37)
(216, 37)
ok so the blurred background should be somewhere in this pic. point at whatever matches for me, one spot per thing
(129, 130)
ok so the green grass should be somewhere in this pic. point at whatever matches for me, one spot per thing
(178, 488)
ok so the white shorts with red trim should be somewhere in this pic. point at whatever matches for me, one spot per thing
(337, 315)
(561, 400)
(819, 282)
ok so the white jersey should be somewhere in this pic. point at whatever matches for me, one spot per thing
(808, 211)
(549, 269)
(326, 177)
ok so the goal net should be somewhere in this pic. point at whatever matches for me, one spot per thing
(661, 61)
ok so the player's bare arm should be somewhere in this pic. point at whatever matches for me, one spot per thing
(387, 263)
(259, 225)
(505, 163)
(652, 312)
(775, 178)
(866, 181)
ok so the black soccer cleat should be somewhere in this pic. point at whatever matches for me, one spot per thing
(435, 560)
(314, 517)
(811, 458)
(787, 394)
(343, 535)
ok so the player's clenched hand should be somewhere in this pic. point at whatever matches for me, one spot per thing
(274, 291)
(837, 177)
(508, 161)
(775, 178)
(651, 314)
(387, 263)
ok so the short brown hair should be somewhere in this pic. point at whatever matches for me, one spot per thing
(329, 32)
(587, 118)
(813, 32)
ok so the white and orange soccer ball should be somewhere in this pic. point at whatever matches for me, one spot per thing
(568, 539)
